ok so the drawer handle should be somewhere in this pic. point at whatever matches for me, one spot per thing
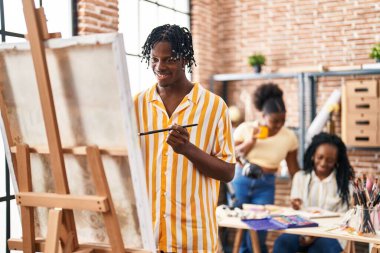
(361, 138)
(362, 106)
(361, 89)
(362, 122)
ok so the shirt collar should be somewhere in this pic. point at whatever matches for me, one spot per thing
(325, 180)
(193, 96)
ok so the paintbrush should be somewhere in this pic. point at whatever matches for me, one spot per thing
(165, 129)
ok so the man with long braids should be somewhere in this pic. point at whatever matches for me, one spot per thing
(183, 166)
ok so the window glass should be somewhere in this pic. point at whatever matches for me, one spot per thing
(182, 6)
(128, 25)
(2, 170)
(182, 19)
(167, 3)
(148, 19)
(147, 78)
(14, 16)
(166, 16)
(137, 18)
(59, 17)
(16, 229)
(2, 226)
(133, 63)
(11, 188)
(11, 39)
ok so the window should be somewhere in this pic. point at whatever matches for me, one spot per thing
(137, 18)
(12, 29)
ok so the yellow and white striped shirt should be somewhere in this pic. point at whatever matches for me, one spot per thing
(183, 200)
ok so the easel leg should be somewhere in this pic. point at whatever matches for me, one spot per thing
(237, 241)
(102, 189)
(25, 185)
(69, 245)
(52, 237)
(36, 27)
(255, 241)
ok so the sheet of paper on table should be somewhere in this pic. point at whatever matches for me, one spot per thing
(310, 213)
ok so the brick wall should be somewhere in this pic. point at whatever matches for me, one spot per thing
(204, 28)
(97, 16)
(289, 34)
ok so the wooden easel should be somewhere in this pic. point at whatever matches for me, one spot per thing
(61, 235)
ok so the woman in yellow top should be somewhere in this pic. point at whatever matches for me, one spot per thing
(264, 144)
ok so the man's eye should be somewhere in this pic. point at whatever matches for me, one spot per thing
(172, 59)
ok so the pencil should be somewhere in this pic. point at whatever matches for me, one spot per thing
(165, 129)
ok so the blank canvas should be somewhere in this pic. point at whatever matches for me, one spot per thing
(91, 92)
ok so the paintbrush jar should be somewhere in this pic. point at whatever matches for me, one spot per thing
(365, 220)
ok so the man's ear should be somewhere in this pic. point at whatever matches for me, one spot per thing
(184, 63)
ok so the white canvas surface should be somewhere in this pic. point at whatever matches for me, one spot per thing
(94, 106)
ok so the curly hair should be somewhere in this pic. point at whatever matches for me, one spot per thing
(344, 171)
(268, 99)
(179, 38)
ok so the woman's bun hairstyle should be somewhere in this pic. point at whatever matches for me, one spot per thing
(265, 92)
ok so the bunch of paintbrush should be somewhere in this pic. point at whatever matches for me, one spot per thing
(364, 196)
(365, 202)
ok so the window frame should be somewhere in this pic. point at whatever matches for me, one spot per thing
(4, 34)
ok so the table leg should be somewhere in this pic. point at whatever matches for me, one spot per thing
(350, 247)
(220, 246)
(375, 248)
(255, 241)
(237, 241)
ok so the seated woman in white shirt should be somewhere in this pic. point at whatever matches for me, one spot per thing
(323, 183)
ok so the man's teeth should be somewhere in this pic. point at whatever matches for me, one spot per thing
(162, 75)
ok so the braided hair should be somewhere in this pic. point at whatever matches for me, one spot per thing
(344, 171)
(268, 99)
(179, 38)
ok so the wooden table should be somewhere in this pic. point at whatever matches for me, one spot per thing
(324, 230)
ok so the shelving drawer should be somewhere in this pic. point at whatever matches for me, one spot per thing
(365, 88)
(363, 105)
(368, 121)
(362, 138)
